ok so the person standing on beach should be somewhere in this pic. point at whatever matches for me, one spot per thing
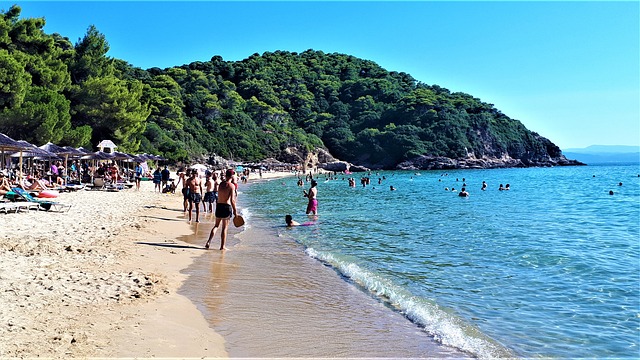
(225, 209)
(312, 206)
(194, 187)
(185, 189)
(138, 171)
(210, 192)
(165, 176)
(157, 180)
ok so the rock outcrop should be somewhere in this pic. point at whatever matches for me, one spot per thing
(550, 155)
(426, 162)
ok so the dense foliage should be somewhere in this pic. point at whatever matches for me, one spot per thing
(51, 90)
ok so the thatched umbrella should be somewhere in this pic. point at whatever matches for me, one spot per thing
(74, 153)
(62, 151)
(8, 144)
(30, 151)
(95, 156)
(124, 157)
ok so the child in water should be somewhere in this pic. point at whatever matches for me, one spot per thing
(290, 222)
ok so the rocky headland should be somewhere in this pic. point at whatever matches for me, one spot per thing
(321, 158)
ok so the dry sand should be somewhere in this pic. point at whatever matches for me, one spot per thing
(101, 280)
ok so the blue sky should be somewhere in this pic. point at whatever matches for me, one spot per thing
(568, 70)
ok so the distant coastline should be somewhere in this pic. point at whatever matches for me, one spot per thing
(604, 154)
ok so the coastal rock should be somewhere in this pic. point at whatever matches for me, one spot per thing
(356, 168)
(337, 166)
(428, 162)
(293, 155)
(324, 156)
(308, 159)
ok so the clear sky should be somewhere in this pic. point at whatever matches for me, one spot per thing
(568, 70)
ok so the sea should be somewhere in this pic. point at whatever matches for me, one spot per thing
(547, 269)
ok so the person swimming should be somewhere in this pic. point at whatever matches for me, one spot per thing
(288, 219)
(290, 222)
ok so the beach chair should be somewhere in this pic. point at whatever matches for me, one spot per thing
(42, 204)
(6, 206)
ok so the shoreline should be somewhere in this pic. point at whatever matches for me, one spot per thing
(103, 279)
(100, 280)
(268, 298)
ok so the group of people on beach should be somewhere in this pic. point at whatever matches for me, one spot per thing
(35, 182)
(219, 189)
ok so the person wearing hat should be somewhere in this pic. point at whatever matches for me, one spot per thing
(225, 208)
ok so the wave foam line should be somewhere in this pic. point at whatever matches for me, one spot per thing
(443, 325)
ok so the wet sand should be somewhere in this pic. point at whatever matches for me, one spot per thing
(268, 299)
(124, 275)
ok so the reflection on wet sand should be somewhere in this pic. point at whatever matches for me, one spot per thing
(268, 299)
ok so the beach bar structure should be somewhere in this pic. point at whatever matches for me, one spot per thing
(107, 146)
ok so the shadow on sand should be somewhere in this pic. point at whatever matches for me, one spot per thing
(170, 245)
(161, 218)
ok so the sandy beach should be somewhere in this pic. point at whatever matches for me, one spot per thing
(101, 280)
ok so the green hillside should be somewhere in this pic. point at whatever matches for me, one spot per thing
(249, 110)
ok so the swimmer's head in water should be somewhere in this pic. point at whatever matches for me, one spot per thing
(313, 183)
(288, 219)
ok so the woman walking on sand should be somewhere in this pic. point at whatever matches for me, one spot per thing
(312, 206)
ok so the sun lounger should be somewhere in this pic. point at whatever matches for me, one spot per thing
(43, 204)
(17, 206)
(73, 187)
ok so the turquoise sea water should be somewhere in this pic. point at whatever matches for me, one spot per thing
(550, 268)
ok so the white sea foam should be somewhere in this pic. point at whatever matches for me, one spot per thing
(441, 323)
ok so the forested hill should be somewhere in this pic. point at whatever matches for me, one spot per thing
(271, 105)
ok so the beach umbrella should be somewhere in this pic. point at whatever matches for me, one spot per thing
(121, 156)
(73, 152)
(53, 148)
(62, 151)
(96, 156)
(28, 150)
(32, 151)
(8, 144)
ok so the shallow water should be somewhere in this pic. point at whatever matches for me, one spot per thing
(268, 299)
(549, 268)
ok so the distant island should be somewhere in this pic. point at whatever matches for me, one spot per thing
(597, 154)
(312, 108)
